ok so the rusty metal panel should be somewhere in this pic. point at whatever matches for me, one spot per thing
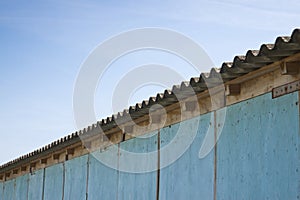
(138, 185)
(258, 151)
(9, 189)
(187, 177)
(53, 188)
(76, 178)
(103, 179)
(21, 187)
(35, 189)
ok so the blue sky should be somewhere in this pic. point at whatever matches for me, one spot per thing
(43, 44)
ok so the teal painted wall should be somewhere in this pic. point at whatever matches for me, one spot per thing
(9, 190)
(189, 177)
(76, 178)
(35, 188)
(103, 180)
(1, 190)
(22, 187)
(130, 185)
(257, 157)
(258, 151)
(53, 186)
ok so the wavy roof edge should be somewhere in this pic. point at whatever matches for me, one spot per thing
(283, 47)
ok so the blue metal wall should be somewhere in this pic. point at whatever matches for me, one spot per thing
(36, 182)
(103, 180)
(130, 183)
(188, 177)
(1, 191)
(257, 157)
(22, 187)
(54, 182)
(76, 178)
(9, 190)
(258, 152)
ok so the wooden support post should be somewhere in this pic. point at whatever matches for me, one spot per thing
(23, 168)
(56, 156)
(44, 160)
(128, 129)
(1, 177)
(290, 68)
(70, 151)
(7, 175)
(156, 119)
(15, 171)
(233, 89)
(87, 144)
(190, 106)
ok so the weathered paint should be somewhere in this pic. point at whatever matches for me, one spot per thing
(35, 189)
(9, 190)
(102, 182)
(76, 178)
(22, 187)
(130, 185)
(53, 187)
(258, 152)
(188, 177)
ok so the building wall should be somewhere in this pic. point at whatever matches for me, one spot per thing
(256, 157)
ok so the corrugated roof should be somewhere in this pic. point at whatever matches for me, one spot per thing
(254, 59)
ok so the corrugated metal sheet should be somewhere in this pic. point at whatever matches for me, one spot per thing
(258, 152)
(253, 60)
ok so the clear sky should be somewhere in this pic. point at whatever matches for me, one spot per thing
(43, 44)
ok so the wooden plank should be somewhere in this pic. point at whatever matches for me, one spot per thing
(290, 68)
